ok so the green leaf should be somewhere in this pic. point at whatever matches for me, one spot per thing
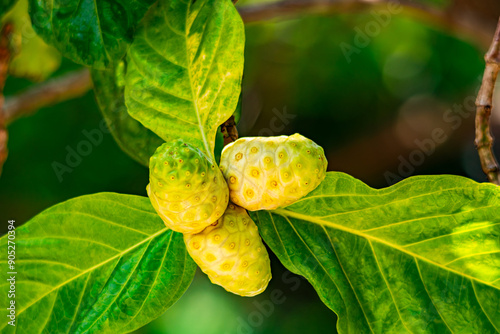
(133, 138)
(422, 256)
(219, 145)
(26, 43)
(92, 33)
(100, 263)
(185, 68)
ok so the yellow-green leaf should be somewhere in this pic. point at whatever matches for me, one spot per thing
(32, 58)
(184, 69)
(422, 256)
(102, 263)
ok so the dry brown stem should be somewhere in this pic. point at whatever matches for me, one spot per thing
(484, 104)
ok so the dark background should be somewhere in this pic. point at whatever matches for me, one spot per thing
(368, 114)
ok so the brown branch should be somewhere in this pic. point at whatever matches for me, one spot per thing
(53, 91)
(456, 18)
(484, 103)
(5, 53)
(290, 8)
(229, 131)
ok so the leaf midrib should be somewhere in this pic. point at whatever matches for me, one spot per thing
(287, 213)
(93, 268)
(122, 287)
(195, 99)
(160, 267)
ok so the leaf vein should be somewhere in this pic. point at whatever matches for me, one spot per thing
(387, 284)
(348, 280)
(48, 261)
(424, 218)
(165, 112)
(121, 288)
(156, 85)
(65, 237)
(154, 281)
(471, 255)
(95, 267)
(449, 234)
(79, 304)
(319, 262)
(51, 309)
(482, 309)
(428, 294)
(284, 212)
(110, 222)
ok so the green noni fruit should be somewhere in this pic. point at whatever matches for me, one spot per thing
(185, 187)
(271, 172)
(231, 253)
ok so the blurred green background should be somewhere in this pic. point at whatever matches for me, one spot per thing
(368, 114)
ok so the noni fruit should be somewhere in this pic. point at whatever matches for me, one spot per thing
(231, 253)
(185, 187)
(271, 172)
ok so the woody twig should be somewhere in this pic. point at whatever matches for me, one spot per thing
(484, 104)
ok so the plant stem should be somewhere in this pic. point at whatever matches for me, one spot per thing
(229, 131)
(484, 104)
(53, 91)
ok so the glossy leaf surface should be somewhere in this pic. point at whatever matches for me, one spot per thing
(184, 69)
(31, 58)
(101, 263)
(92, 33)
(422, 256)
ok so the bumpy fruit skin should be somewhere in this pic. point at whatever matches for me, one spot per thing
(187, 190)
(232, 254)
(264, 173)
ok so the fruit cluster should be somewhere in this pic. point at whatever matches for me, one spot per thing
(191, 196)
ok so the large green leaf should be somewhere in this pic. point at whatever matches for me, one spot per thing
(26, 44)
(184, 69)
(92, 33)
(422, 256)
(133, 138)
(100, 263)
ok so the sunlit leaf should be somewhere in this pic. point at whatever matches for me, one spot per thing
(101, 263)
(422, 256)
(184, 69)
(32, 58)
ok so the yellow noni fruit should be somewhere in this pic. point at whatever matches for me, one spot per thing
(264, 173)
(186, 189)
(232, 254)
